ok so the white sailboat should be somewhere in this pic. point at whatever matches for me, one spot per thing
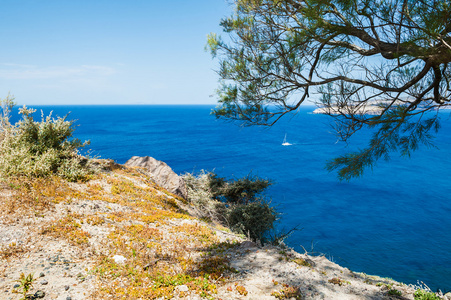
(285, 143)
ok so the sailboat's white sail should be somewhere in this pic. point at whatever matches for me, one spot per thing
(285, 143)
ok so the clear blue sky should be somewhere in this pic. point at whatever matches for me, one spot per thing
(108, 51)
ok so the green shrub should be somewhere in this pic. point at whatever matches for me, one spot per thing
(424, 295)
(39, 149)
(253, 219)
(243, 190)
(237, 204)
(26, 283)
(202, 200)
(394, 292)
(215, 185)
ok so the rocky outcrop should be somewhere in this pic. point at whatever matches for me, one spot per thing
(161, 173)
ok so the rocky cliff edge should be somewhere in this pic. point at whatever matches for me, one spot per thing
(121, 236)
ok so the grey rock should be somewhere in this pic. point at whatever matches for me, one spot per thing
(66, 287)
(39, 294)
(41, 274)
(68, 298)
(247, 245)
(310, 262)
(183, 288)
(44, 282)
(161, 173)
(16, 286)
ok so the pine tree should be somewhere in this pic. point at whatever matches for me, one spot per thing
(369, 64)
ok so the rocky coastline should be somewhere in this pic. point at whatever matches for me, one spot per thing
(127, 234)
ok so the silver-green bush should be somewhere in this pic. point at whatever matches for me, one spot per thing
(201, 197)
(38, 149)
(237, 204)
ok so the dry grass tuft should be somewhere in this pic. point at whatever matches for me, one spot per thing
(12, 250)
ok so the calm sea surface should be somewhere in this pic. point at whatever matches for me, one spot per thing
(393, 222)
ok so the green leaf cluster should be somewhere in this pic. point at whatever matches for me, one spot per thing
(25, 283)
(425, 295)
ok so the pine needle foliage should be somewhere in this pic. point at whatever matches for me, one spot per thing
(241, 191)
(392, 135)
(390, 58)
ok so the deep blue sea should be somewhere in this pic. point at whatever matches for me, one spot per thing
(395, 221)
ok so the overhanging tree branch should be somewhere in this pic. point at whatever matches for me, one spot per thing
(389, 55)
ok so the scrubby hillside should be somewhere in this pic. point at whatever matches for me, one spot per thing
(120, 236)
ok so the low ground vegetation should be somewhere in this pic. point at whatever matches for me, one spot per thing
(163, 247)
(424, 293)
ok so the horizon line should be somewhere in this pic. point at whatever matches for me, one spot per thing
(134, 104)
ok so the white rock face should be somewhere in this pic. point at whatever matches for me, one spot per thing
(119, 259)
(363, 110)
(161, 173)
(182, 288)
(368, 108)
